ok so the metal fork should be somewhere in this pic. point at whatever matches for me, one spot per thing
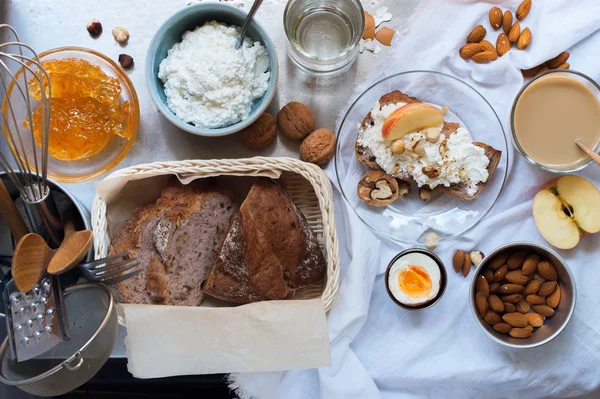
(101, 271)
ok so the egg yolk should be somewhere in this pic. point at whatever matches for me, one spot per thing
(414, 281)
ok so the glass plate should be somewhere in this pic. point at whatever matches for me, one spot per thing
(408, 220)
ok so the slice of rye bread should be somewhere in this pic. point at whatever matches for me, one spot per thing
(366, 157)
(269, 252)
(188, 240)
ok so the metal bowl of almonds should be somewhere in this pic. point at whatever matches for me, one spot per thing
(523, 295)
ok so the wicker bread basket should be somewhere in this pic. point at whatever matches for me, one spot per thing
(306, 184)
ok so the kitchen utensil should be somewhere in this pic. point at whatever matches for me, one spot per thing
(71, 363)
(30, 260)
(31, 156)
(552, 325)
(595, 157)
(72, 250)
(240, 38)
(171, 32)
(10, 214)
(409, 220)
(102, 271)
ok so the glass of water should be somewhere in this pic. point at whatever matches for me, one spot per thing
(323, 35)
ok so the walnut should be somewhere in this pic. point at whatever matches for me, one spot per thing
(318, 147)
(413, 142)
(425, 193)
(296, 121)
(443, 147)
(431, 171)
(261, 133)
(377, 189)
(403, 189)
(419, 149)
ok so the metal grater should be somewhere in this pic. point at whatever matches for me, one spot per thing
(36, 320)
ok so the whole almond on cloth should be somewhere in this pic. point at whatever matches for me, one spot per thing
(522, 306)
(498, 261)
(489, 276)
(492, 318)
(547, 271)
(547, 288)
(466, 267)
(495, 18)
(503, 328)
(553, 299)
(485, 57)
(544, 310)
(524, 39)
(566, 65)
(507, 20)
(534, 319)
(523, 10)
(508, 289)
(516, 260)
(531, 262)
(514, 33)
(516, 277)
(477, 34)
(535, 300)
(558, 60)
(515, 319)
(469, 50)
(488, 46)
(496, 303)
(457, 260)
(481, 303)
(502, 45)
(519, 333)
(509, 307)
(530, 73)
(543, 68)
(500, 273)
(512, 298)
(532, 287)
(483, 286)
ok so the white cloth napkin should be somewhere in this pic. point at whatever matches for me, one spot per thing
(380, 350)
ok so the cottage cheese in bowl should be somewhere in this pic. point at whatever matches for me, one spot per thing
(210, 84)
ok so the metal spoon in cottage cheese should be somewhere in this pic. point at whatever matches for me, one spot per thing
(240, 38)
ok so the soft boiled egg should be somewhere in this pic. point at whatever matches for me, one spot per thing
(414, 279)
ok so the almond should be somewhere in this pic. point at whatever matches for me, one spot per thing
(457, 260)
(530, 73)
(488, 46)
(543, 68)
(524, 39)
(566, 65)
(485, 57)
(502, 45)
(494, 287)
(515, 319)
(535, 300)
(476, 35)
(502, 328)
(469, 50)
(489, 276)
(498, 261)
(509, 307)
(558, 60)
(522, 306)
(483, 286)
(500, 273)
(516, 260)
(531, 262)
(492, 318)
(544, 310)
(481, 303)
(523, 10)
(495, 17)
(547, 288)
(553, 299)
(520, 333)
(547, 271)
(532, 287)
(514, 33)
(528, 327)
(466, 267)
(507, 21)
(516, 277)
(534, 319)
(508, 289)
(496, 303)
(512, 298)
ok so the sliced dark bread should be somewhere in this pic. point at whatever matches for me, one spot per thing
(366, 157)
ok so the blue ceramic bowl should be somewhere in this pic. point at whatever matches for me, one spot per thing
(172, 31)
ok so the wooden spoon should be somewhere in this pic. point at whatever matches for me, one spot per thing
(72, 250)
(30, 260)
(10, 214)
(595, 157)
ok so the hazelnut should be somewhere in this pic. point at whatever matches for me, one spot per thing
(403, 189)
(296, 121)
(318, 147)
(425, 193)
(432, 241)
(413, 142)
(120, 34)
(126, 61)
(94, 27)
(397, 147)
(261, 133)
(433, 134)
(420, 149)
(476, 257)
(377, 189)
(431, 171)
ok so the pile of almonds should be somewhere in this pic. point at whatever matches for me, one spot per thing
(482, 51)
(516, 292)
(558, 62)
(463, 261)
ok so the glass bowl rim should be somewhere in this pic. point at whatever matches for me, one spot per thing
(577, 168)
(70, 178)
(395, 239)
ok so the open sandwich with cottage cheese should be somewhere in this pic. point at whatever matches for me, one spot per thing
(411, 141)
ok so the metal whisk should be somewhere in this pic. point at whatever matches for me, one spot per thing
(18, 122)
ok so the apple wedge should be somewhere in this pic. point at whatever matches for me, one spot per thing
(565, 209)
(409, 119)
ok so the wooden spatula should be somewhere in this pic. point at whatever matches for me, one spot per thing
(72, 250)
(10, 214)
(30, 260)
(595, 157)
